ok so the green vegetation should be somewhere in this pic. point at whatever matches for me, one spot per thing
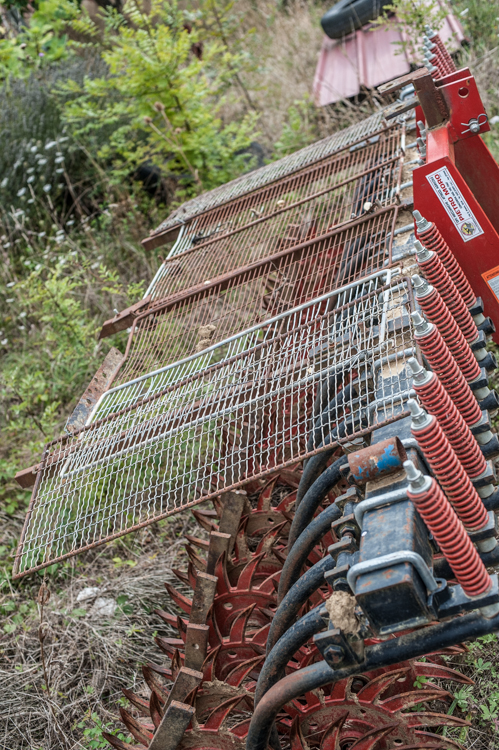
(85, 102)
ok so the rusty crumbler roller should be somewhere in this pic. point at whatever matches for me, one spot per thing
(313, 363)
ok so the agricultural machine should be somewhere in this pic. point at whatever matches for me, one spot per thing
(308, 372)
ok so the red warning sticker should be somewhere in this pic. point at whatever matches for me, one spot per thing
(492, 279)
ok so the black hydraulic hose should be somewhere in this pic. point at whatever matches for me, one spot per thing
(298, 634)
(303, 546)
(326, 392)
(311, 471)
(316, 434)
(384, 654)
(287, 612)
(314, 496)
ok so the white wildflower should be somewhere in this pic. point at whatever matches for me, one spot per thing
(59, 159)
(4, 182)
(50, 145)
(47, 188)
(42, 162)
(34, 149)
(23, 314)
(21, 192)
(30, 179)
(4, 341)
(42, 234)
(70, 223)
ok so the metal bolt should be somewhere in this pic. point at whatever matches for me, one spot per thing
(420, 418)
(334, 655)
(421, 223)
(421, 324)
(421, 286)
(422, 252)
(419, 374)
(417, 481)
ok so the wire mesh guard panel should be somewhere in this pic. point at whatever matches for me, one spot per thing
(275, 171)
(176, 329)
(306, 205)
(237, 411)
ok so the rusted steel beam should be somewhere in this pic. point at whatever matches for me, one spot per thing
(196, 645)
(187, 680)
(219, 544)
(97, 386)
(173, 725)
(161, 238)
(26, 478)
(124, 319)
(204, 594)
(233, 508)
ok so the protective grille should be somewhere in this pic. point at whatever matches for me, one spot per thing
(273, 172)
(180, 327)
(307, 205)
(236, 411)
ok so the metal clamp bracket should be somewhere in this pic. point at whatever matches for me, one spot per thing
(394, 558)
(387, 498)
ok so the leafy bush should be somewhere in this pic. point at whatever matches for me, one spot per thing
(40, 41)
(42, 168)
(159, 101)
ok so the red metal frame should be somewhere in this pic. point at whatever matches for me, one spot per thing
(452, 145)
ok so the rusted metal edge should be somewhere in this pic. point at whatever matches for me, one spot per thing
(176, 719)
(290, 206)
(222, 282)
(292, 175)
(97, 386)
(202, 499)
(399, 83)
(38, 479)
(123, 319)
(160, 239)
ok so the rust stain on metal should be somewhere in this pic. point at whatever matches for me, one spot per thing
(99, 383)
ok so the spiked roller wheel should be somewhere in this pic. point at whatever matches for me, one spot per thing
(220, 648)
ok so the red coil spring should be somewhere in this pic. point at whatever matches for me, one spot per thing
(450, 535)
(433, 240)
(453, 479)
(443, 363)
(438, 312)
(437, 401)
(436, 274)
(444, 61)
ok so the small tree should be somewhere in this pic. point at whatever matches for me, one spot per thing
(159, 101)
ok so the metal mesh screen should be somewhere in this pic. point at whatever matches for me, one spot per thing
(289, 213)
(236, 411)
(274, 172)
(180, 327)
